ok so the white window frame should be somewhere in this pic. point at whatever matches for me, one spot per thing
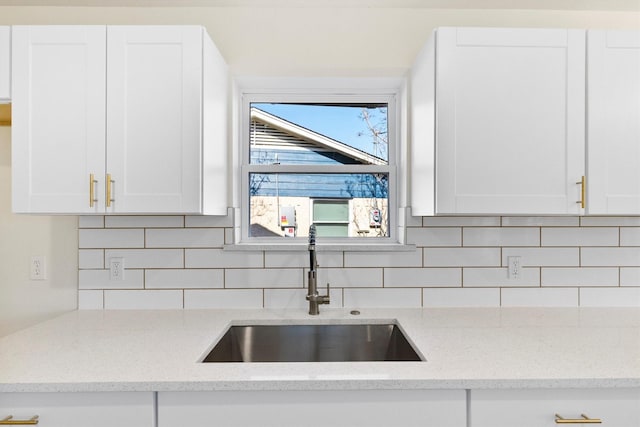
(350, 90)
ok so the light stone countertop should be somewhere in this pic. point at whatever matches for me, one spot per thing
(465, 348)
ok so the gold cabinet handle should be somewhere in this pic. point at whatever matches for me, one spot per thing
(583, 420)
(92, 190)
(583, 183)
(109, 183)
(9, 421)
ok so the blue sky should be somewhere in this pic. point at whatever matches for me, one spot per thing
(342, 123)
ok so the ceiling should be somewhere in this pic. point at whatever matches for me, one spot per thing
(631, 5)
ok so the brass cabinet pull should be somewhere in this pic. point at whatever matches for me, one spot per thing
(92, 190)
(583, 190)
(9, 421)
(583, 420)
(109, 182)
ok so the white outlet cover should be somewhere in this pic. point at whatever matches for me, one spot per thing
(38, 268)
(116, 269)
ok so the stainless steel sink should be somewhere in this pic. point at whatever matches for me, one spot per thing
(313, 343)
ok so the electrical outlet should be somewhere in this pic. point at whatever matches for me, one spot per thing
(515, 263)
(38, 268)
(116, 269)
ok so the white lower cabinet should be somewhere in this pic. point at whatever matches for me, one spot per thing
(80, 409)
(538, 408)
(370, 408)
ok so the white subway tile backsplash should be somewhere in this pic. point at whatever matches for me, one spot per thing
(219, 258)
(90, 258)
(612, 221)
(441, 236)
(461, 257)
(604, 257)
(263, 278)
(630, 236)
(223, 298)
(410, 220)
(90, 300)
(300, 259)
(580, 236)
(208, 221)
(184, 238)
(184, 279)
(543, 257)
(99, 279)
(382, 298)
(461, 297)
(460, 221)
(422, 277)
(348, 277)
(540, 221)
(499, 277)
(105, 238)
(286, 299)
(630, 276)
(539, 297)
(383, 259)
(178, 261)
(579, 276)
(148, 258)
(143, 299)
(141, 221)
(93, 221)
(493, 236)
(610, 297)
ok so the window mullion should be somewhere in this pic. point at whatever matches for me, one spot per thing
(256, 168)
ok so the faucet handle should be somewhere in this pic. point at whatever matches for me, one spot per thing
(327, 296)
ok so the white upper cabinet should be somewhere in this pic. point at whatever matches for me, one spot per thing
(613, 137)
(155, 115)
(5, 64)
(509, 129)
(160, 101)
(58, 118)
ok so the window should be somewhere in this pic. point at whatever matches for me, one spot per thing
(323, 159)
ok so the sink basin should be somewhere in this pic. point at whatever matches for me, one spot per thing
(313, 343)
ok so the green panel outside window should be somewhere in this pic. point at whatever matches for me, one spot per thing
(332, 230)
(330, 210)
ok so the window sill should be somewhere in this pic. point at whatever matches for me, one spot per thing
(327, 247)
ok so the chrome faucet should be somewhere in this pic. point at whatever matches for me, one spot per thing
(312, 294)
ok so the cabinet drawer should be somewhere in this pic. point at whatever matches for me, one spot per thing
(368, 408)
(80, 409)
(537, 408)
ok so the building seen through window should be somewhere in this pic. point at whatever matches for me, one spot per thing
(323, 164)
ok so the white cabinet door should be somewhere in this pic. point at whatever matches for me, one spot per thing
(143, 106)
(537, 408)
(613, 145)
(154, 118)
(366, 408)
(510, 120)
(81, 409)
(58, 135)
(5, 64)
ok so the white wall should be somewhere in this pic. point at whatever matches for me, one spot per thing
(24, 302)
(318, 41)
